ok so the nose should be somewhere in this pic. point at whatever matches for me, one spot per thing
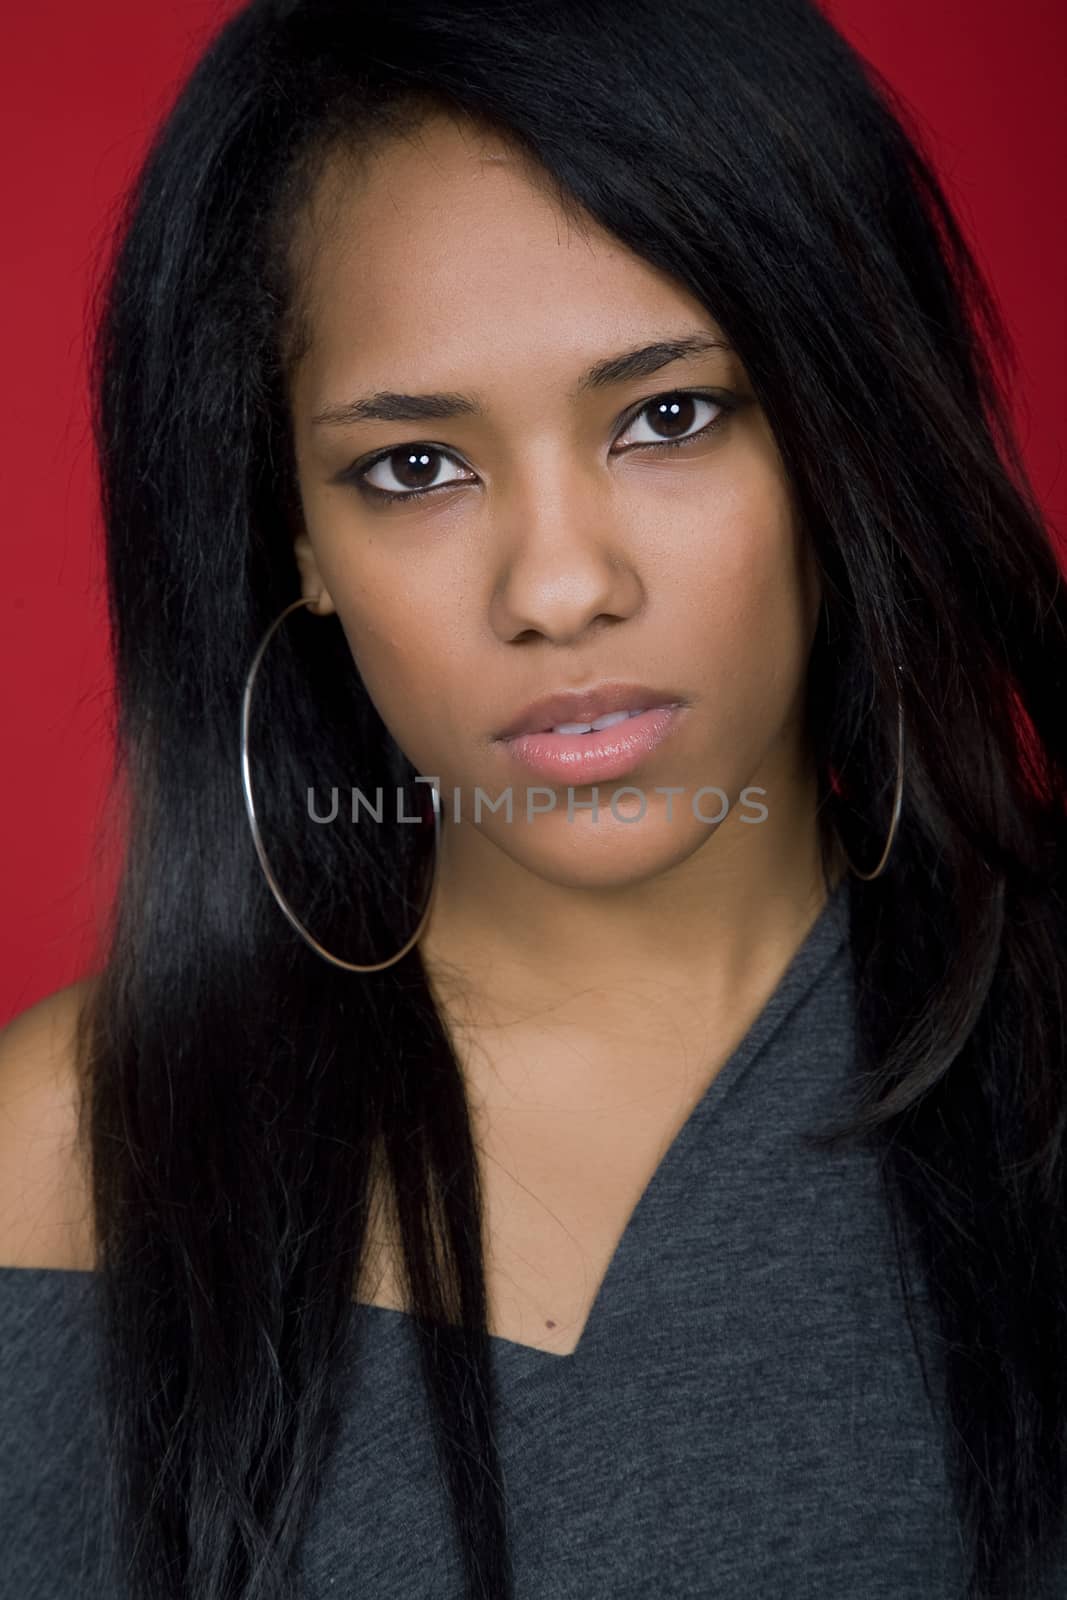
(564, 564)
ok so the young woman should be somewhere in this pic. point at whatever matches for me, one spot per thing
(628, 1160)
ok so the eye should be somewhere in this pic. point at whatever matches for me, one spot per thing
(675, 414)
(415, 469)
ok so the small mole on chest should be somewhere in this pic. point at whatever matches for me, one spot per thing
(549, 1323)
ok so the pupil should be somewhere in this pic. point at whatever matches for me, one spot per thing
(417, 469)
(675, 415)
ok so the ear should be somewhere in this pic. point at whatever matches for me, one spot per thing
(311, 582)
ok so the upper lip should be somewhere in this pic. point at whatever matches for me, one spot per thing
(585, 705)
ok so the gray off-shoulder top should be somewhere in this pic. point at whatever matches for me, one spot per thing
(744, 1417)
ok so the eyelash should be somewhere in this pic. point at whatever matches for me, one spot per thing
(726, 404)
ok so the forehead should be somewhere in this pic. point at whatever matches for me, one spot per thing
(447, 251)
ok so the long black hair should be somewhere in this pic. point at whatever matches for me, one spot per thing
(238, 1090)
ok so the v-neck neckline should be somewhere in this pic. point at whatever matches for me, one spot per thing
(809, 961)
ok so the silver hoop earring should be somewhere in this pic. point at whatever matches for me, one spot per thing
(897, 799)
(246, 782)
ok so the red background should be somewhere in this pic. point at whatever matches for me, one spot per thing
(82, 88)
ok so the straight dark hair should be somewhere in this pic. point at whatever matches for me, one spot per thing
(238, 1091)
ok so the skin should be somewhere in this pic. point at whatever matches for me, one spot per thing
(595, 974)
(555, 561)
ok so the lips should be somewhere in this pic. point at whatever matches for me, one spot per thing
(591, 758)
(587, 705)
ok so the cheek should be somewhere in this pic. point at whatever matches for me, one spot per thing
(746, 601)
(376, 601)
(392, 658)
(403, 666)
(743, 572)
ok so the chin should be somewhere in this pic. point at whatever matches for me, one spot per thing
(607, 854)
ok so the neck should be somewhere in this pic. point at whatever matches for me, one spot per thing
(505, 942)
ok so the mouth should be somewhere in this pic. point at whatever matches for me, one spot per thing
(609, 720)
(584, 713)
(578, 754)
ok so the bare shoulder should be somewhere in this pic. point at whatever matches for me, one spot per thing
(44, 1200)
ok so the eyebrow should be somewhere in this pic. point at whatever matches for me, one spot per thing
(388, 406)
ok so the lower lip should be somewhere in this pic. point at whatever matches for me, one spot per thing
(582, 758)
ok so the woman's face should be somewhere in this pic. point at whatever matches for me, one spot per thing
(560, 544)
